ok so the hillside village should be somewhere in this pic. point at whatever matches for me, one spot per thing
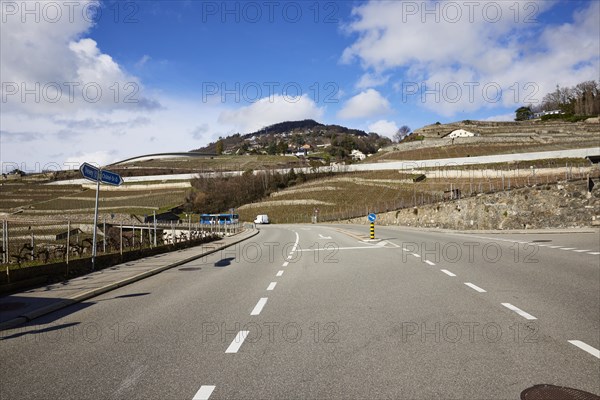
(306, 138)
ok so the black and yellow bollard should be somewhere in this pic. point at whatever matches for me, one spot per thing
(372, 231)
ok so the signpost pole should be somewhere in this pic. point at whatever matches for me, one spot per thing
(372, 217)
(95, 223)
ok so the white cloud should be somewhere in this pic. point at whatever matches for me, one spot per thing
(365, 104)
(384, 127)
(99, 158)
(485, 45)
(369, 80)
(270, 110)
(61, 70)
(142, 61)
(501, 117)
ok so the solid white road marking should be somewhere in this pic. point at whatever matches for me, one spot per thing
(447, 272)
(279, 273)
(204, 392)
(475, 287)
(237, 342)
(285, 264)
(429, 262)
(259, 306)
(586, 347)
(518, 311)
(271, 286)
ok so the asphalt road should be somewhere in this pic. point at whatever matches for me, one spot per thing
(309, 311)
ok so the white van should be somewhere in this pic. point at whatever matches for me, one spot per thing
(262, 219)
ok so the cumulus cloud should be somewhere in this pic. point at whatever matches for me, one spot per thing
(365, 104)
(369, 80)
(62, 94)
(200, 132)
(384, 127)
(50, 67)
(100, 158)
(270, 110)
(478, 47)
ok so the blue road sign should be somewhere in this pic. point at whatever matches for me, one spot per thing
(90, 172)
(110, 178)
(372, 217)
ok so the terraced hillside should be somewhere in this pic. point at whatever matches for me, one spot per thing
(431, 142)
(28, 200)
(351, 195)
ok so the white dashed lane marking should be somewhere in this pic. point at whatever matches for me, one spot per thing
(259, 306)
(237, 342)
(447, 272)
(204, 392)
(271, 286)
(519, 311)
(586, 347)
(429, 262)
(285, 264)
(279, 273)
(475, 287)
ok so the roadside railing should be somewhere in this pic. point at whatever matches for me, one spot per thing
(31, 242)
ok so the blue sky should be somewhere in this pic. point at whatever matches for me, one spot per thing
(176, 75)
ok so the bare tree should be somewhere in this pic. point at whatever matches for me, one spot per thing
(402, 132)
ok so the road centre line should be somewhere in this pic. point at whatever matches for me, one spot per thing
(279, 273)
(519, 311)
(237, 342)
(342, 248)
(447, 272)
(475, 287)
(204, 392)
(586, 347)
(429, 262)
(259, 306)
(271, 286)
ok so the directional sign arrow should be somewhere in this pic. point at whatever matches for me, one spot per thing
(372, 217)
(111, 178)
(91, 172)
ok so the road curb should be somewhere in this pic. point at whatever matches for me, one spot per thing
(107, 288)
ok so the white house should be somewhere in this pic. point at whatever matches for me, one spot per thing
(460, 133)
(357, 155)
